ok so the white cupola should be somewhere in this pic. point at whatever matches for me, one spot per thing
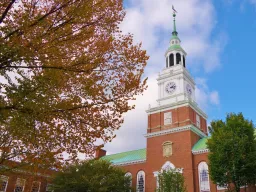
(175, 55)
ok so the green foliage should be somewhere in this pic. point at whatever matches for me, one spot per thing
(232, 157)
(92, 176)
(170, 181)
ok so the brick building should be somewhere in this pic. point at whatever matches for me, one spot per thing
(176, 133)
(23, 180)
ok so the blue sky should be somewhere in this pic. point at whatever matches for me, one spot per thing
(219, 37)
(235, 80)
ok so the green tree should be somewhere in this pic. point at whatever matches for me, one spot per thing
(232, 157)
(67, 73)
(92, 176)
(171, 181)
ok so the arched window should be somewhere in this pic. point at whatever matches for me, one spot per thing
(178, 58)
(141, 181)
(168, 166)
(166, 62)
(204, 183)
(184, 62)
(171, 60)
(128, 174)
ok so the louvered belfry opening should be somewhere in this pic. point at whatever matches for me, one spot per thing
(171, 60)
(178, 58)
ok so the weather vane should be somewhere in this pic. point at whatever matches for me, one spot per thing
(174, 11)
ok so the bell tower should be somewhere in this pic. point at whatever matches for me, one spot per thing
(176, 93)
(175, 84)
(176, 123)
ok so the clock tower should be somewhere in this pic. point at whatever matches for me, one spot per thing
(175, 84)
(176, 90)
(176, 123)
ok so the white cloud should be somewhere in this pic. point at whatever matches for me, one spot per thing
(130, 135)
(205, 97)
(151, 23)
(214, 98)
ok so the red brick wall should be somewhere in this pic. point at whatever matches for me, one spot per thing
(196, 160)
(203, 157)
(181, 156)
(134, 169)
(181, 116)
(28, 184)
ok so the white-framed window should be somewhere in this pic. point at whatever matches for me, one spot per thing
(167, 118)
(168, 166)
(20, 185)
(198, 124)
(203, 174)
(35, 186)
(141, 181)
(3, 183)
(128, 174)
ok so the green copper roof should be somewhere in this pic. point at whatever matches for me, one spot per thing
(126, 157)
(175, 47)
(175, 37)
(201, 144)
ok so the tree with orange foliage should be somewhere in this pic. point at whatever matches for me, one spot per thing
(67, 74)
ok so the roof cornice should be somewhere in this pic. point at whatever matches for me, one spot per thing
(201, 151)
(189, 102)
(130, 162)
(175, 130)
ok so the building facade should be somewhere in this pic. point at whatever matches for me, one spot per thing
(176, 133)
(19, 180)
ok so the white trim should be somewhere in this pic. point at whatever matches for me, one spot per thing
(175, 130)
(21, 181)
(28, 172)
(6, 179)
(183, 103)
(200, 151)
(141, 173)
(129, 174)
(130, 162)
(204, 185)
(167, 166)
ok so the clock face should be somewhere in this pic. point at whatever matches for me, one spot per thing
(189, 89)
(170, 87)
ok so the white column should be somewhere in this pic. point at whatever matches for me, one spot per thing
(156, 176)
(181, 55)
(174, 56)
(168, 60)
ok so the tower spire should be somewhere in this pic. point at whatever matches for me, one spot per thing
(174, 33)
